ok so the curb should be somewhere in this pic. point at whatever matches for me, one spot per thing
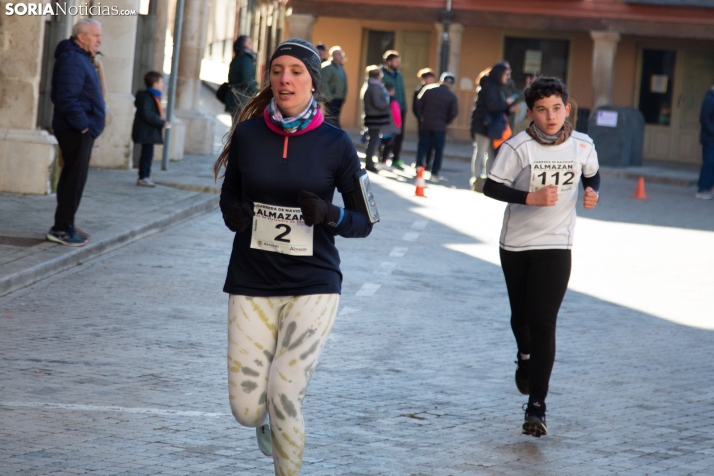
(609, 172)
(681, 182)
(198, 205)
(461, 158)
(190, 188)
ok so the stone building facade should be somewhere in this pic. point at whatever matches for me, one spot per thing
(655, 55)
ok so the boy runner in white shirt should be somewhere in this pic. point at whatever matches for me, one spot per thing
(537, 172)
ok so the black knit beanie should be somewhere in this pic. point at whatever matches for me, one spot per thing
(303, 51)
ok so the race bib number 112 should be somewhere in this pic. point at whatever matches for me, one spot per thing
(559, 173)
(280, 230)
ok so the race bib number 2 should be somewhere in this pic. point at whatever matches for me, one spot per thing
(562, 174)
(280, 230)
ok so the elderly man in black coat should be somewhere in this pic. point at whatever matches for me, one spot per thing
(437, 107)
(79, 114)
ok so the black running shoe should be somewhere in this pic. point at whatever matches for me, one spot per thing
(522, 375)
(535, 419)
(66, 238)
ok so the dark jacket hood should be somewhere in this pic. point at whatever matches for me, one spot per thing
(66, 46)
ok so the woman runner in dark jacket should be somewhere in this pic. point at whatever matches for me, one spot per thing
(283, 165)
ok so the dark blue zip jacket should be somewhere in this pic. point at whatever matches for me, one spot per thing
(707, 119)
(320, 161)
(76, 91)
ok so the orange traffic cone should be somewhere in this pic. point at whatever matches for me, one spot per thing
(420, 182)
(640, 193)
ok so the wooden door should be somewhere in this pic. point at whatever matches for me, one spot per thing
(658, 88)
(413, 46)
(676, 137)
(697, 76)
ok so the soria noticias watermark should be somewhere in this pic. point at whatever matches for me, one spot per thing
(62, 8)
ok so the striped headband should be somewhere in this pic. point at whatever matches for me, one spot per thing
(301, 52)
(305, 53)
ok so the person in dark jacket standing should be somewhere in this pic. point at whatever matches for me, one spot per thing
(241, 76)
(706, 137)
(283, 165)
(334, 85)
(427, 77)
(148, 124)
(437, 107)
(377, 114)
(78, 119)
(490, 102)
(323, 51)
(391, 74)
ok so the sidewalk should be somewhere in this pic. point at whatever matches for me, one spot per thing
(116, 212)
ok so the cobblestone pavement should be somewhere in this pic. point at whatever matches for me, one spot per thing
(117, 366)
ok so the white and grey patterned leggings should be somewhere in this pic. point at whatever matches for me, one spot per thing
(273, 347)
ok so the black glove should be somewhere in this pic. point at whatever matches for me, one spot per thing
(237, 216)
(317, 211)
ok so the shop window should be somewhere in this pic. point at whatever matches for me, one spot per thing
(656, 86)
(531, 55)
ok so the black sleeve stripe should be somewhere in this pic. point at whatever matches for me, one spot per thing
(499, 178)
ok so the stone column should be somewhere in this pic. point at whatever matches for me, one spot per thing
(300, 26)
(114, 148)
(604, 49)
(439, 28)
(456, 30)
(162, 18)
(26, 154)
(199, 125)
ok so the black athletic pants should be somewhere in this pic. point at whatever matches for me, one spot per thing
(536, 282)
(76, 151)
(399, 138)
(372, 140)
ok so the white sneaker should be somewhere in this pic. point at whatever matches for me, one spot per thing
(265, 443)
(145, 182)
(704, 195)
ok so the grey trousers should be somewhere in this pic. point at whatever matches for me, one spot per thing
(483, 154)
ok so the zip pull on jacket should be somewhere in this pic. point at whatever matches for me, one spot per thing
(314, 124)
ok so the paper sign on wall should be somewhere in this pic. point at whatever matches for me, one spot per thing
(606, 119)
(658, 83)
(532, 63)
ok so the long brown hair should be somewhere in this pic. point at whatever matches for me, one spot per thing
(254, 108)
